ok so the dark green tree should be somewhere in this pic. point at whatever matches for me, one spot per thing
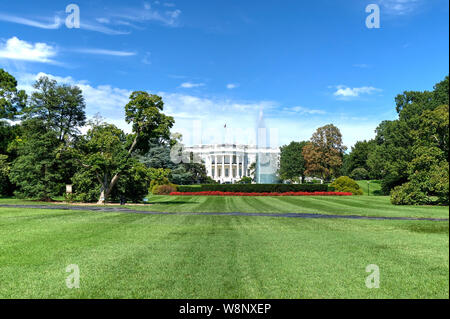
(144, 112)
(60, 107)
(292, 163)
(36, 171)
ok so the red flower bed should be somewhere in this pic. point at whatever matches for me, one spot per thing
(216, 193)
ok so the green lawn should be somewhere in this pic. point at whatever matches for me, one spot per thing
(346, 205)
(374, 187)
(187, 256)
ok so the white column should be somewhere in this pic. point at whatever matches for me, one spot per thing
(231, 167)
(223, 165)
(237, 167)
(216, 174)
(210, 166)
(243, 160)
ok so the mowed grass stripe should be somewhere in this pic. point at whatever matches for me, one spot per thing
(142, 256)
(349, 205)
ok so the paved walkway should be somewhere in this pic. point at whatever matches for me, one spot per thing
(286, 215)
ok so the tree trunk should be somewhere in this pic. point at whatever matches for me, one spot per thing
(106, 190)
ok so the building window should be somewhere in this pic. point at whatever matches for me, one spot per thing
(226, 172)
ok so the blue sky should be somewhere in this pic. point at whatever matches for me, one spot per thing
(306, 63)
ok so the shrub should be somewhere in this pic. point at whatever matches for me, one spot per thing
(346, 184)
(245, 180)
(439, 182)
(158, 177)
(408, 194)
(359, 174)
(256, 188)
(164, 189)
(4, 173)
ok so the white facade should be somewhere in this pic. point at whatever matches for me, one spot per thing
(227, 163)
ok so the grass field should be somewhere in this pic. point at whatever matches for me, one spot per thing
(187, 256)
(374, 189)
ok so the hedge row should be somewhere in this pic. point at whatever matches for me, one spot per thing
(262, 194)
(255, 188)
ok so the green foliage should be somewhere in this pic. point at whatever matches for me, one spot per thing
(4, 175)
(257, 188)
(69, 197)
(359, 158)
(346, 184)
(158, 176)
(143, 111)
(37, 171)
(133, 186)
(439, 182)
(60, 107)
(85, 187)
(408, 194)
(359, 174)
(412, 148)
(102, 153)
(292, 163)
(12, 101)
(245, 180)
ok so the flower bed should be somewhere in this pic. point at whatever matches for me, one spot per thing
(217, 193)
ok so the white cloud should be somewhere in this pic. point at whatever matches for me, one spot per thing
(302, 110)
(105, 99)
(190, 85)
(32, 23)
(101, 29)
(16, 49)
(292, 124)
(102, 20)
(231, 86)
(345, 92)
(106, 52)
(145, 14)
(399, 7)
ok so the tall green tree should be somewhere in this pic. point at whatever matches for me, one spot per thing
(421, 122)
(144, 113)
(60, 107)
(359, 156)
(292, 163)
(101, 154)
(36, 171)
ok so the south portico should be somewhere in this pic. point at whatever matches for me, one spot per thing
(225, 163)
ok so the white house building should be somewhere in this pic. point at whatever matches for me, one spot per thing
(228, 163)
